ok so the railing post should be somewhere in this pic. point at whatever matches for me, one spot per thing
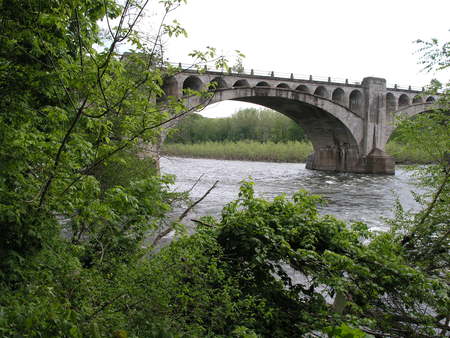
(329, 78)
(310, 78)
(409, 87)
(252, 72)
(292, 76)
(179, 65)
(395, 86)
(272, 74)
(346, 81)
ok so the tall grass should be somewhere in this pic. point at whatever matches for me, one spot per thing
(243, 150)
(292, 151)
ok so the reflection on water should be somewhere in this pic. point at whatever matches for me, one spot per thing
(352, 197)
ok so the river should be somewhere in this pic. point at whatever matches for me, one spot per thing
(351, 197)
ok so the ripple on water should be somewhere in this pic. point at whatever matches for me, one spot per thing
(351, 197)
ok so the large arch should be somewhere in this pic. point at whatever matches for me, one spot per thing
(335, 131)
(408, 111)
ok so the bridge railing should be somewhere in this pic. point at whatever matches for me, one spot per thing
(281, 75)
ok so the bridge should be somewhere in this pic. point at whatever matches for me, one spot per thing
(348, 122)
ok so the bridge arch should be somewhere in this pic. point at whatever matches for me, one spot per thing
(338, 96)
(302, 88)
(391, 103)
(217, 83)
(262, 84)
(430, 99)
(408, 111)
(322, 118)
(170, 86)
(403, 101)
(356, 101)
(193, 82)
(283, 85)
(322, 91)
(241, 83)
(417, 99)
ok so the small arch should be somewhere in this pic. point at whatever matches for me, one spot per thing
(391, 105)
(170, 86)
(302, 88)
(430, 99)
(262, 84)
(356, 101)
(283, 85)
(321, 91)
(403, 100)
(241, 83)
(193, 83)
(217, 83)
(417, 99)
(338, 95)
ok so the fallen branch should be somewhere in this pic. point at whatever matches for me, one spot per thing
(182, 216)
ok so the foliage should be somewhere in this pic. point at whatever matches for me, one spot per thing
(247, 124)
(75, 252)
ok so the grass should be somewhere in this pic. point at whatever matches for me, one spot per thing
(275, 152)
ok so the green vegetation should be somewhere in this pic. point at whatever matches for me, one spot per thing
(247, 124)
(242, 150)
(81, 212)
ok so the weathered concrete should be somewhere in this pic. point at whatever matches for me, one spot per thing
(348, 124)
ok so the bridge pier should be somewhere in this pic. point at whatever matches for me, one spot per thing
(348, 160)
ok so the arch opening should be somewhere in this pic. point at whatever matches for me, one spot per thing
(391, 104)
(283, 85)
(192, 83)
(356, 102)
(417, 99)
(170, 86)
(321, 91)
(430, 99)
(338, 96)
(241, 83)
(262, 84)
(302, 88)
(217, 83)
(403, 101)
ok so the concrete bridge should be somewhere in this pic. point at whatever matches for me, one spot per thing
(348, 123)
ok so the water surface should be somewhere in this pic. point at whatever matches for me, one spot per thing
(351, 197)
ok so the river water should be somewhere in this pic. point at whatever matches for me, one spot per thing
(351, 197)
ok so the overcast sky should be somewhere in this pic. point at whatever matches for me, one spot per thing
(344, 39)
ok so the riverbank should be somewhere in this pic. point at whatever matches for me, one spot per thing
(293, 152)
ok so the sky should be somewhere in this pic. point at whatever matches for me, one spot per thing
(343, 39)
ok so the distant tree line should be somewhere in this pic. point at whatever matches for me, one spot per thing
(262, 125)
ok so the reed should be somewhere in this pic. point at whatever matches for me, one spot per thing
(243, 150)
